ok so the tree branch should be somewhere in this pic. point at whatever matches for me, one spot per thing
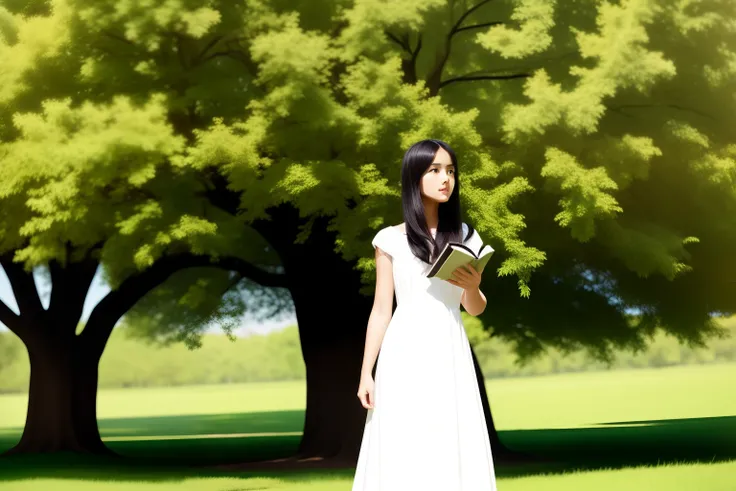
(250, 271)
(218, 54)
(120, 38)
(97, 246)
(395, 39)
(408, 66)
(119, 301)
(484, 77)
(456, 28)
(435, 76)
(23, 286)
(677, 107)
(207, 47)
(415, 53)
(70, 284)
(478, 26)
(236, 55)
(10, 319)
(180, 50)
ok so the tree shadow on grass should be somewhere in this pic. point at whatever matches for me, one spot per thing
(178, 447)
(629, 443)
(194, 439)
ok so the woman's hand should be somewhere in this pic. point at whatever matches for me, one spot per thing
(466, 277)
(365, 392)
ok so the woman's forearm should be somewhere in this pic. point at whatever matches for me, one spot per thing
(377, 324)
(474, 301)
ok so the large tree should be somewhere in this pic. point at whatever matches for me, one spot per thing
(593, 138)
(88, 181)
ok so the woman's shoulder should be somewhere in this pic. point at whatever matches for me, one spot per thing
(393, 228)
(474, 240)
(388, 238)
(390, 230)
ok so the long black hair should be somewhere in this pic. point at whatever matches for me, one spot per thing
(415, 163)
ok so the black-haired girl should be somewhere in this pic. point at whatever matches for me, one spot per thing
(425, 429)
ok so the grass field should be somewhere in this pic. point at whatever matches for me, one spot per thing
(649, 429)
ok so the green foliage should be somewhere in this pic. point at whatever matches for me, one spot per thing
(622, 61)
(474, 329)
(498, 359)
(195, 299)
(535, 19)
(594, 140)
(93, 149)
(585, 193)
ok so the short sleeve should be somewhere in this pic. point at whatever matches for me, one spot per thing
(475, 242)
(384, 240)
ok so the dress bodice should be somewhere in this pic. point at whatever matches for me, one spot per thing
(409, 272)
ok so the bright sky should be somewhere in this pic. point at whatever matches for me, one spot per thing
(100, 289)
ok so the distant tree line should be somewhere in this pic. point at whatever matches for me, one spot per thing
(134, 362)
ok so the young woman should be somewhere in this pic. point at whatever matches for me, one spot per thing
(425, 429)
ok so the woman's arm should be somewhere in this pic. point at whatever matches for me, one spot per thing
(467, 278)
(383, 304)
(473, 301)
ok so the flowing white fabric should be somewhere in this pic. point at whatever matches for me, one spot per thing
(427, 430)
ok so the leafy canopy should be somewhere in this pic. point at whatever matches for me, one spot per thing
(594, 140)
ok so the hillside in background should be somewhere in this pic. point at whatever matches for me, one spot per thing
(131, 362)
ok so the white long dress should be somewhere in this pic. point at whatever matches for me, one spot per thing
(427, 430)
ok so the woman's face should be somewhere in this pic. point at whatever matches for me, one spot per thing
(438, 180)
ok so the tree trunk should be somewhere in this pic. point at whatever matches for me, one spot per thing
(62, 398)
(332, 316)
(332, 325)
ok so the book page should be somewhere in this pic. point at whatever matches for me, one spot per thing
(454, 261)
(480, 263)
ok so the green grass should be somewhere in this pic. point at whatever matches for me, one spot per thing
(647, 429)
(181, 401)
(712, 477)
(591, 398)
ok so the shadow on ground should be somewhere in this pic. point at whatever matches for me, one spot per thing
(177, 447)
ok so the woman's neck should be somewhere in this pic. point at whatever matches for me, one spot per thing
(431, 213)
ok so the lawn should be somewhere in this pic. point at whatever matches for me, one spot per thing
(646, 429)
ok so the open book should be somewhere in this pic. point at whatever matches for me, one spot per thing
(456, 254)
